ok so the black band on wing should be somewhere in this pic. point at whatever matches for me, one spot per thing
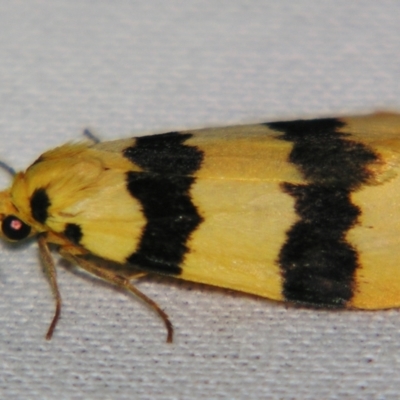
(163, 191)
(317, 263)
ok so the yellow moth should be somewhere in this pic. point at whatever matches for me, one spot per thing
(302, 211)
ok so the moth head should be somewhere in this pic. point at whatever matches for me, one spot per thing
(13, 228)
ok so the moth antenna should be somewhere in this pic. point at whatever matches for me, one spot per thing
(7, 168)
(91, 136)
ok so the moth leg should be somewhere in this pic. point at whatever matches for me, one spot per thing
(91, 136)
(119, 281)
(138, 275)
(50, 271)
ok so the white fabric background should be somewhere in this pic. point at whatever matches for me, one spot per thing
(128, 67)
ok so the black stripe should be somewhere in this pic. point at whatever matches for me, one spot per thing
(73, 232)
(40, 204)
(317, 263)
(163, 191)
(165, 154)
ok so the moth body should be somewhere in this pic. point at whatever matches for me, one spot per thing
(303, 211)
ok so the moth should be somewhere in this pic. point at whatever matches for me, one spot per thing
(303, 211)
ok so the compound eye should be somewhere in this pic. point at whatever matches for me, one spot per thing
(14, 229)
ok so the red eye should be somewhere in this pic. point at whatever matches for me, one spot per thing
(15, 229)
